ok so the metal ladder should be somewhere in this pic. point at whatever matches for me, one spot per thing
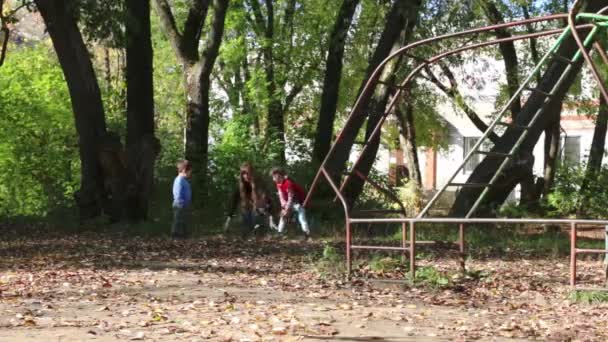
(550, 56)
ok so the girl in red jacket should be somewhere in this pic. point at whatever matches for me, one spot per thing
(291, 196)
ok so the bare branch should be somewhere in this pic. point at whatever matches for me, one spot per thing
(291, 96)
(163, 9)
(453, 93)
(216, 31)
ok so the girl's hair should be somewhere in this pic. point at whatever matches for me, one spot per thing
(184, 165)
(277, 171)
(257, 188)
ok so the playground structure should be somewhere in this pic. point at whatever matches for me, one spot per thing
(590, 23)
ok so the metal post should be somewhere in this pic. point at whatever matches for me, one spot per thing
(349, 262)
(404, 239)
(461, 246)
(606, 257)
(572, 254)
(412, 251)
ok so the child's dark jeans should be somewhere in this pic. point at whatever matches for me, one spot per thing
(181, 220)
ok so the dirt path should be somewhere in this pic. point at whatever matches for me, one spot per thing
(114, 289)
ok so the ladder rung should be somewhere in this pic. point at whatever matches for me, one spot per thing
(470, 185)
(494, 154)
(561, 58)
(510, 124)
(538, 91)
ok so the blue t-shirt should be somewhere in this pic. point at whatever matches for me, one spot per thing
(182, 193)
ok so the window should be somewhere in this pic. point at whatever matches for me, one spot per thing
(469, 143)
(572, 150)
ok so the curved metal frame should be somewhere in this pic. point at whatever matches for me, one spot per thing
(373, 80)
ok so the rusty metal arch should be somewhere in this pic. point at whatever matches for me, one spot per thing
(373, 81)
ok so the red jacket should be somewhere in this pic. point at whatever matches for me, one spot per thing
(287, 186)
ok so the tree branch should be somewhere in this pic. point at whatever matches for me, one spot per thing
(453, 93)
(259, 27)
(216, 31)
(194, 24)
(508, 52)
(163, 9)
(6, 31)
(291, 96)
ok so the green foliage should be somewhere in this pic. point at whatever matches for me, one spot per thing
(589, 297)
(330, 262)
(411, 196)
(569, 197)
(39, 166)
(430, 276)
(384, 264)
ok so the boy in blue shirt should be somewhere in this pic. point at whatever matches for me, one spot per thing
(182, 200)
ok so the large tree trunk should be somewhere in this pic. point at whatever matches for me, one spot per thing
(85, 96)
(394, 24)
(377, 106)
(142, 146)
(598, 143)
(523, 162)
(331, 82)
(197, 75)
(596, 153)
(551, 150)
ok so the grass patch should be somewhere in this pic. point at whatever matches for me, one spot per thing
(589, 297)
(385, 264)
(331, 263)
(431, 277)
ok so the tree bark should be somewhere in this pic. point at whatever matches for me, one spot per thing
(197, 75)
(142, 145)
(598, 143)
(331, 82)
(407, 141)
(394, 24)
(85, 97)
(551, 152)
(596, 153)
(523, 162)
(407, 132)
(509, 55)
(376, 107)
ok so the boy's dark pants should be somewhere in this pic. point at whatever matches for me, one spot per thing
(181, 219)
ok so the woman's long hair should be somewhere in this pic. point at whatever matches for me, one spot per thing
(258, 191)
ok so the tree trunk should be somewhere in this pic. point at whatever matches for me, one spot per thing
(197, 125)
(142, 145)
(407, 132)
(551, 154)
(598, 143)
(394, 24)
(197, 75)
(407, 139)
(331, 82)
(596, 153)
(509, 55)
(522, 163)
(85, 96)
(377, 106)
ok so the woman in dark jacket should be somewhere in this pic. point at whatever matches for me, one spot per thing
(251, 197)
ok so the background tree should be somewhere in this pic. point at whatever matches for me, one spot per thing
(197, 69)
(60, 20)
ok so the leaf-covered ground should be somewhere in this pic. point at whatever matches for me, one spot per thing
(107, 287)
